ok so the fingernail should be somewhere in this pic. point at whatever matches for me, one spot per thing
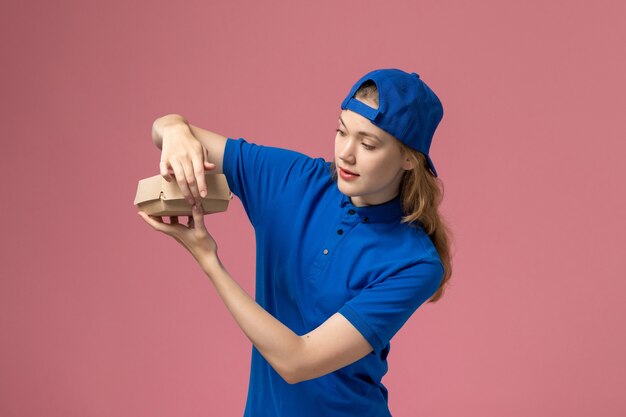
(203, 193)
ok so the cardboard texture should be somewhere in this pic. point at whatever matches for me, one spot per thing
(157, 197)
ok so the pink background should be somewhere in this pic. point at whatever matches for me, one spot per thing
(102, 316)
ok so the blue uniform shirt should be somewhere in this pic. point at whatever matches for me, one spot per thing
(316, 255)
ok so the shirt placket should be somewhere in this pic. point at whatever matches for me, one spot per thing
(349, 220)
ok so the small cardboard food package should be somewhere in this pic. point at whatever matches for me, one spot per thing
(157, 197)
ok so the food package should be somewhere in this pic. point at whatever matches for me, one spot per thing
(157, 197)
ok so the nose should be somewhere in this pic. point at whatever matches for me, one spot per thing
(346, 152)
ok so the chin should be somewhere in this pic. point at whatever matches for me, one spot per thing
(346, 189)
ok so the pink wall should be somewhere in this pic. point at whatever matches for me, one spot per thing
(102, 316)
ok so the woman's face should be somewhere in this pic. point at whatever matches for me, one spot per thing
(373, 154)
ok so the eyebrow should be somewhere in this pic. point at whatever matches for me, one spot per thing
(371, 135)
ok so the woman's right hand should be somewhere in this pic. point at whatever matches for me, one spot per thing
(182, 155)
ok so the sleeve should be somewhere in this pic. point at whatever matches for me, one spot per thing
(382, 308)
(258, 173)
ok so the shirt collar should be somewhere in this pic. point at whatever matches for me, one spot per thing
(384, 212)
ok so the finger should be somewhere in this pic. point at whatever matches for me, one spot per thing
(163, 168)
(152, 221)
(198, 216)
(181, 180)
(199, 172)
(191, 180)
(158, 219)
(207, 164)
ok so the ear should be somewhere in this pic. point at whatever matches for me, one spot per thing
(408, 163)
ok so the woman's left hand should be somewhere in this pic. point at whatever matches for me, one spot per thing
(194, 236)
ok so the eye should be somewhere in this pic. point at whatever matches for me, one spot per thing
(367, 147)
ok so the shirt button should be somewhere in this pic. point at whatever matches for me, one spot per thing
(340, 232)
(365, 220)
(351, 211)
(325, 251)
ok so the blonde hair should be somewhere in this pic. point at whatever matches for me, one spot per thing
(421, 193)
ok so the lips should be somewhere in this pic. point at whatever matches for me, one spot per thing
(349, 172)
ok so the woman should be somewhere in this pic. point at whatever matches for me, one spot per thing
(346, 250)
